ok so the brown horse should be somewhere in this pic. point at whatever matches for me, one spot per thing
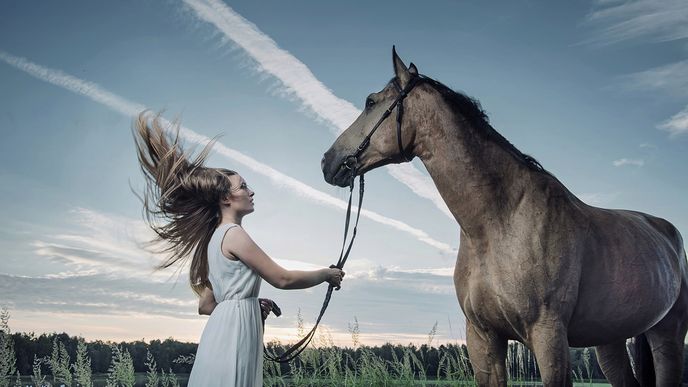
(535, 263)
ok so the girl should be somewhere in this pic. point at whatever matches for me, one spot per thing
(198, 211)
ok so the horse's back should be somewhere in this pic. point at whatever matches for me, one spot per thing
(670, 231)
(660, 235)
(649, 234)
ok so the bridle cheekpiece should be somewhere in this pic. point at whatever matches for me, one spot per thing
(350, 162)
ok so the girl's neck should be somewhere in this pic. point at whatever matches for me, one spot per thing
(231, 218)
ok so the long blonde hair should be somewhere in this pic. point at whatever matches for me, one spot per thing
(181, 201)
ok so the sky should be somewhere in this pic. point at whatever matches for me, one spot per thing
(597, 91)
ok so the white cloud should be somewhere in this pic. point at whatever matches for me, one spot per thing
(420, 184)
(658, 20)
(98, 294)
(677, 124)
(598, 198)
(292, 185)
(296, 78)
(299, 83)
(111, 245)
(625, 161)
(92, 242)
(440, 271)
(75, 85)
(653, 20)
(99, 285)
(672, 77)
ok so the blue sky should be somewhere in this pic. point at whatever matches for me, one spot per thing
(596, 91)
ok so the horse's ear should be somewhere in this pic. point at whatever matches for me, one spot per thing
(412, 69)
(400, 70)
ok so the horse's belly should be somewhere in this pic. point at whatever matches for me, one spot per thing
(630, 279)
(616, 310)
(591, 333)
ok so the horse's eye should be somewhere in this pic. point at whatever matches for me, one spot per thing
(369, 103)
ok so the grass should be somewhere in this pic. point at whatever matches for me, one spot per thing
(322, 364)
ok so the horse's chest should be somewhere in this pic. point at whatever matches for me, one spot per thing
(503, 297)
(491, 300)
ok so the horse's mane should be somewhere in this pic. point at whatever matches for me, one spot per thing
(470, 108)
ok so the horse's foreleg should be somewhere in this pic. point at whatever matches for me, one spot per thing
(487, 353)
(613, 359)
(549, 343)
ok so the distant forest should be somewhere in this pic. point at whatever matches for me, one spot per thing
(28, 345)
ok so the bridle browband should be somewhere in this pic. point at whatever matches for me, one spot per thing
(297, 348)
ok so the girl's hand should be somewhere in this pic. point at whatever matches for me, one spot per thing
(206, 303)
(335, 276)
(265, 307)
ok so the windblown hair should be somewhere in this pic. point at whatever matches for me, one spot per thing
(181, 201)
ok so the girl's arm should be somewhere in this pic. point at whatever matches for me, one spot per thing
(206, 304)
(243, 247)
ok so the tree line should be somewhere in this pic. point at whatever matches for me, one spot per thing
(29, 345)
(70, 357)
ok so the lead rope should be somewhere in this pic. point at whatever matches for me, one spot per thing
(297, 348)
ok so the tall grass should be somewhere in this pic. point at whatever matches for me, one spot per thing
(37, 378)
(121, 371)
(326, 364)
(82, 365)
(59, 364)
(322, 363)
(8, 358)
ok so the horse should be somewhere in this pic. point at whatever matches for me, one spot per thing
(535, 263)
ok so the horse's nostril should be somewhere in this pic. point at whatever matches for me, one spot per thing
(322, 163)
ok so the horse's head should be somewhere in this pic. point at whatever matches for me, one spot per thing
(379, 136)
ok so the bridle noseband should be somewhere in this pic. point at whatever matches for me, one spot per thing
(351, 161)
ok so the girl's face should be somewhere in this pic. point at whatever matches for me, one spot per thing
(240, 195)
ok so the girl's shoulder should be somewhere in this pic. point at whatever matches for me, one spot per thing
(222, 230)
(226, 226)
(227, 230)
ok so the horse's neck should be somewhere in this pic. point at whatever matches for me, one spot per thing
(479, 180)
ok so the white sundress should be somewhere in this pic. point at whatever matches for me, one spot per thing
(230, 352)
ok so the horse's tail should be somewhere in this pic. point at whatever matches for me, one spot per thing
(642, 361)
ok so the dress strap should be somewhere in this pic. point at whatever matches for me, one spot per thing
(223, 228)
(222, 231)
(227, 225)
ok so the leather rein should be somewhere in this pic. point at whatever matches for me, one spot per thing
(350, 162)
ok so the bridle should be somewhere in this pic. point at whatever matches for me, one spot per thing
(398, 103)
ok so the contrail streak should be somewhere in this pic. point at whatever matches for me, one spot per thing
(298, 81)
(96, 93)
